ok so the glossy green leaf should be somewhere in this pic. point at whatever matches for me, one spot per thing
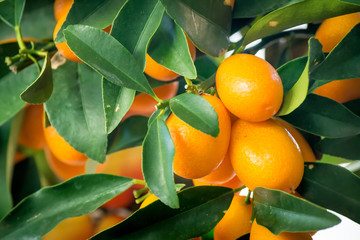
(170, 49)
(250, 8)
(291, 71)
(157, 163)
(296, 14)
(128, 134)
(201, 208)
(342, 61)
(107, 56)
(282, 212)
(43, 210)
(76, 111)
(95, 13)
(332, 187)
(134, 31)
(117, 102)
(205, 67)
(209, 28)
(40, 90)
(164, 116)
(351, 1)
(11, 11)
(11, 86)
(197, 112)
(324, 117)
(347, 147)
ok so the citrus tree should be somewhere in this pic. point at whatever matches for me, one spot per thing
(107, 102)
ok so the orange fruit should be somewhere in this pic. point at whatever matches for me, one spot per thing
(340, 90)
(19, 156)
(126, 163)
(145, 105)
(223, 173)
(232, 183)
(249, 87)
(159, 72)
(306, 151)
(236, 221)
(62, 8)
(333, 30)
(75, 228)
(259, 232)
(108, 221)
(264, 154)
(62, 170)
(61, 149)
(196, 153)
(63, 47)
(150, 199)
(32, 133)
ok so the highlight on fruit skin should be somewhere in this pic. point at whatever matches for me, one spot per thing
(197, 154)
(249, 87)
(62, 8)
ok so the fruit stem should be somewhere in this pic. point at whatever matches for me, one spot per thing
(19, 37)
(138, 193)
(35, 61)
(138, 181)
(208, 83)
(239, 189)
(247, 199)
(141, 199)
(36, 52)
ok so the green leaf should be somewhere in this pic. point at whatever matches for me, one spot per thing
(291, 71)
(170, 49)
(324, 117)
(296, 14)
(347, 147)
(43, 210)
(209, 28)
(40, 90)
(157, 163)
(11, 11)
(107, 56)
(250, 8)
(197, 112)
(128, 134)
(164, 116)
(281, 212)
(205, 66)
(351, 1)
(342, 61)
(332, 187)
(134, 30)
(117, 102)
(201, 209)
(76, 111)
(95, 13)
(354, 106)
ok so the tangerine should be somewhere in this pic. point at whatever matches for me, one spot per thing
(340, 90)
(62, 8)
(108, 221)
(232, 183)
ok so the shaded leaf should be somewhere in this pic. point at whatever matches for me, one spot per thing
(209, 27)
(296, 14)
(282, 212)
(11, 11)
(332, 187)
(157, 163)
(197, 112)
(205, 66)
(201, 209)
(107, 56)
(291, 71)
(128, 134)
(351, 1)
(324, 117)
(43, 210)
(40, 90)
(354, 106)
(347, 147)
(76, 111)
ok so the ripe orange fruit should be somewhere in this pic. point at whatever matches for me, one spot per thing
(32, 133)
(196, 153)
(126, 163)
(249, 87)
(108, 221)
(333, 30)
(62, 8)
(264, 154)
(145, 105)
(62, 170)
(150, 199)
(232, 183)
(236, 221)
(223, 173)
(259, 232)
(159, 72)
(61, 149)
(75, 228)
(63, 48)
(340, 90)
(306, 151)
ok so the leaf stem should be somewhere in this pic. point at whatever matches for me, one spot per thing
(32, 51)
(141, 199)
(19, 37)
(138, 181)
(239, 189)
(247, 199)
(138, 193)
(35, 61)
